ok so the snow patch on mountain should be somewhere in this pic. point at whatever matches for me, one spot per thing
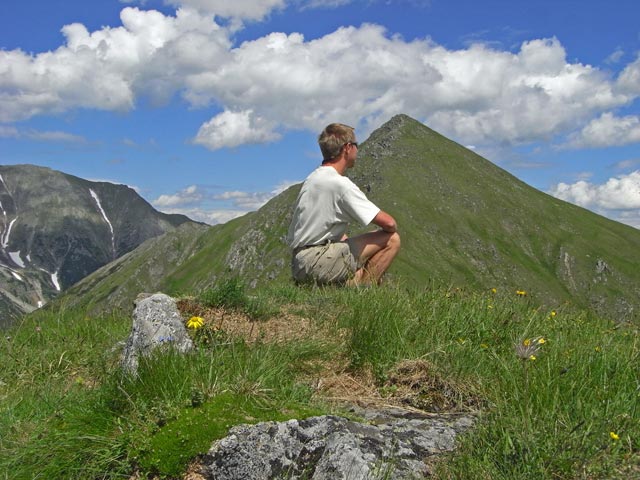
(54, 279)
(5, 235)
(15, 258)
(106, 219)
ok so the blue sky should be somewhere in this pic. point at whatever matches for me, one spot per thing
(210, 107)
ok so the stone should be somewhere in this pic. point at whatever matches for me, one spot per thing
(394, 446)
(156, 323)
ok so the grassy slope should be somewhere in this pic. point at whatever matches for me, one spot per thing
(466, 221)
(463, 221)
(65, 412)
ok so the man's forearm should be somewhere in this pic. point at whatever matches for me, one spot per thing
(386, 222)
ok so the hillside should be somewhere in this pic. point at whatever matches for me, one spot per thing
(464, 222)
(56, 228)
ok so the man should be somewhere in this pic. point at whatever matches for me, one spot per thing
(327, 203)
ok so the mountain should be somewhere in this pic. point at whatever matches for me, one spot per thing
(56, 228)
(463, 222)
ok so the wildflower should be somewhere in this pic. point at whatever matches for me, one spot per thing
(614, 436)
(484, 345)
(521, 293)
(494, 290)
(552, 314)
(489, 307)
(195, 323)
(598, 349)
(529, 347)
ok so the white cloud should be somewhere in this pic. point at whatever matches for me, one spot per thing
(615, 57)
(241, 9)
(109, 68)
(40, 135)
(187, 196)
(617, 198)
(213, 208)
(324, 3)
(8, 132)
(359, 75)
(606, 131)
(627, 164)
(629, 80)
(230, 129)
(211, 217)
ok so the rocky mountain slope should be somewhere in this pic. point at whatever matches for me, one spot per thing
(464, 222)
(56, 228)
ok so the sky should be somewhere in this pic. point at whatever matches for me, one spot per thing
(211, 107)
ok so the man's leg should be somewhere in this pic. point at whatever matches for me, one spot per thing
(375, 252)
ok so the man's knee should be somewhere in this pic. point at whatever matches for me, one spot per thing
(394, 241)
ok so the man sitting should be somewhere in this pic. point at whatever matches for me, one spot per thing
(327, 203)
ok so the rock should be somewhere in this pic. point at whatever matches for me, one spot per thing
(156, 322)
(334, 448)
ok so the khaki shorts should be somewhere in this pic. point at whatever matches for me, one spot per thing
(323, 264)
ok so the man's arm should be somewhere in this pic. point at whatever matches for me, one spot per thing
(385, 221)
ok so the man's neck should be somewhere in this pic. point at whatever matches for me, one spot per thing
(339, 164)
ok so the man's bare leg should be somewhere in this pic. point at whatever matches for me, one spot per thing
(376, 251)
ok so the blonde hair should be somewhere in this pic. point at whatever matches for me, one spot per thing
(333, 138)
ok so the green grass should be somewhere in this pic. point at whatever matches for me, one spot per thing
(67, 412)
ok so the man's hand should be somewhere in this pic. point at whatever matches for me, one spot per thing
(386, 222)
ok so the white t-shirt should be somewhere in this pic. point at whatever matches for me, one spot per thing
(326, 204)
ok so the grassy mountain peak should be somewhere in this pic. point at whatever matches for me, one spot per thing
(463, 221)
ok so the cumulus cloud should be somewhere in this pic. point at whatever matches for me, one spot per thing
(360, 75)
(230, 129)
(109, 68)
(240, 9)
(618, 197)
(607, 131)
(187, 196)
(211, 217)
(205, 206)
(629, 80)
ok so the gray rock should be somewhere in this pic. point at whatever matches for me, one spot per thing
(334, 448)
(156, 322)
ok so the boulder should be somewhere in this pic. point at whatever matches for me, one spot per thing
(390, 444)
(156, 323)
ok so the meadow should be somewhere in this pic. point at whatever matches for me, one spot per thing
(555, 390)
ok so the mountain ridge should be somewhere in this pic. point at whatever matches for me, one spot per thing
(56, 228)
(463, 221)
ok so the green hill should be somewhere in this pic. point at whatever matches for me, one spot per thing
(464, 222)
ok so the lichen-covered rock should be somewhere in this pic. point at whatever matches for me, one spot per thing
(156, 322)
(393, 446)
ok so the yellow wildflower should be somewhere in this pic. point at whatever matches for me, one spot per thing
(614, 436)
(521, 293)
(494, 290)
(541, 340)
(553, 313)
(526, 342)
(484, 345)
(532, 357)
(195, 322)
(598, 349)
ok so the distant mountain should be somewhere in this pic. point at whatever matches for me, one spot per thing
(463, 221)
(56, 228)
